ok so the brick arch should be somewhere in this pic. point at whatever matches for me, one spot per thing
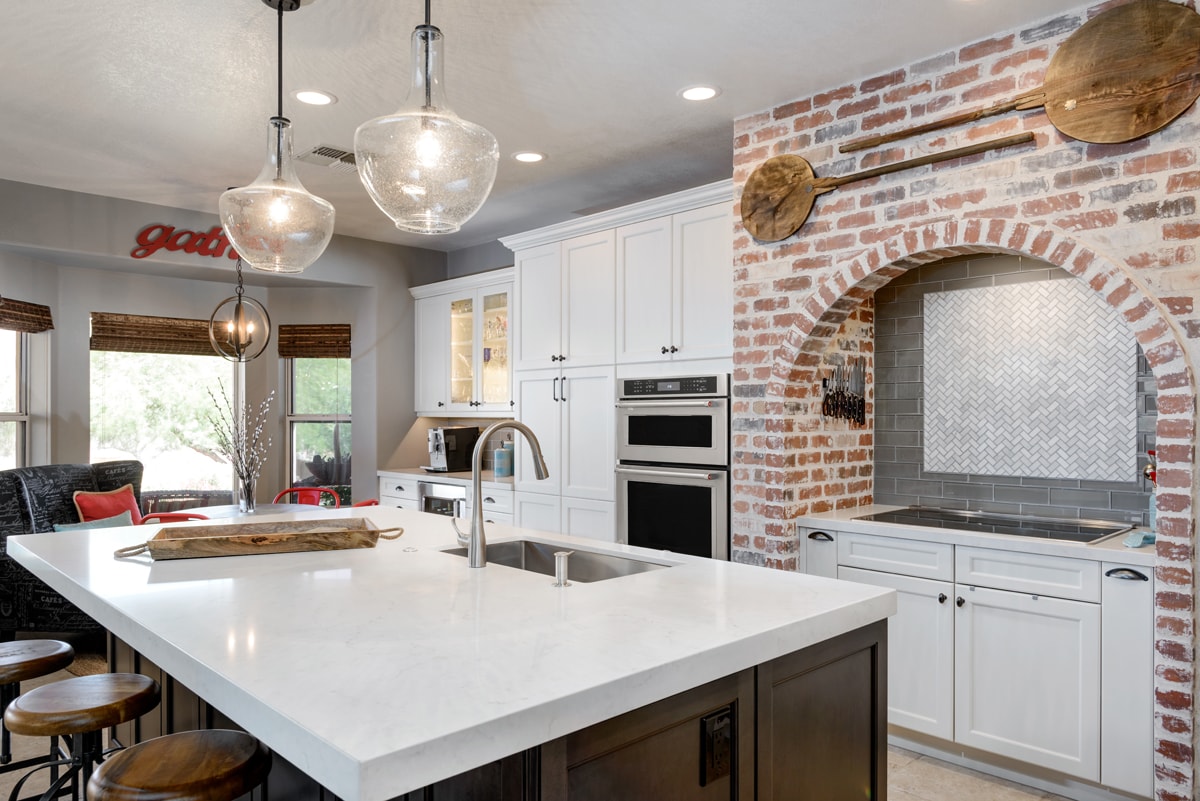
(841, 291)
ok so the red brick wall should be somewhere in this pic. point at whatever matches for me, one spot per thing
(1122, 218)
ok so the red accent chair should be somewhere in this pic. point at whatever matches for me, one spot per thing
(170, 517)
(371, 502)
(309, 495)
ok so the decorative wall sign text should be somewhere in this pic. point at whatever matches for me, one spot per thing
(156, 237)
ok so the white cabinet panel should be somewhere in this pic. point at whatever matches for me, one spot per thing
(588, 447)
(589, 299)
(703, 276)
(932, 560)
(1059, 576)
(1127, 679)
(1027, 680)
(920, 651)
(537, 511)
(539, 406)
(645, 292)
(582, 517)
(820, 551)
(432, 341)
(538, 322)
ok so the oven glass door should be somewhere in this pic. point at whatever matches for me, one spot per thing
(674, 431)
(674, 509)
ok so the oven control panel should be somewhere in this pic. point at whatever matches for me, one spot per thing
(675, 386)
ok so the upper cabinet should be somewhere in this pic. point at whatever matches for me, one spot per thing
(565, 302)
(463, 361)
(675, 287)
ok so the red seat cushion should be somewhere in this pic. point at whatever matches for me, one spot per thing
(99, 505)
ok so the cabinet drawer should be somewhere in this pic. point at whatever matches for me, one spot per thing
(1056, 576)
(400, 503)
(933, 560)
(494, 500)
(398, 488)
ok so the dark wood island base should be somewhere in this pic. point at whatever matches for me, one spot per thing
(808, 726)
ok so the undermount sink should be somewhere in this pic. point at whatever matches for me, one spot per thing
(583, 566)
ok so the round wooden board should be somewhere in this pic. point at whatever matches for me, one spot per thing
(1125, 73)
(777, 198)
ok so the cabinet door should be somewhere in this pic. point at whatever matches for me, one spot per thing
(703, 274)
(820, 552)
(536, 511)
(1027, 678)
(596, 520)
(588, 447)
(588, 299)
(432, 338)
(538, 320)
(645, 291)
(494, 387)
(461, 356)
(920, 651)
(1127, 679)
(539, 406)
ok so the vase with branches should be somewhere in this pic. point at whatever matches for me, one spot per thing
(241, 438)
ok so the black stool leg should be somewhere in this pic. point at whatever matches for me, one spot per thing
(8, 693)
(86, 752)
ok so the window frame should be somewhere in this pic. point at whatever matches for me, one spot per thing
(21, 416)
(291, 417)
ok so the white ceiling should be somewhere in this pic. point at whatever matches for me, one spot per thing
(166, 101)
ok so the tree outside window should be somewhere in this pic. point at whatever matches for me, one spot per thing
(319, 424)
(14, 418)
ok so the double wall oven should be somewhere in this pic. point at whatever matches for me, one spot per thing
(673, 464)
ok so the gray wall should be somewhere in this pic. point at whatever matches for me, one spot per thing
(479, 259)
(899, 408)
(71, 252)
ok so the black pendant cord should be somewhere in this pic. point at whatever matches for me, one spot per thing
(428, 41)
(279, 93)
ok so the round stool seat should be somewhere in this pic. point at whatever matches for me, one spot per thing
(82, 704)
(214, 765)
(21, 660)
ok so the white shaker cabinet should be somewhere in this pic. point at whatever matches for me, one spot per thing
(565, 303)
(675, 287)
(463, 363)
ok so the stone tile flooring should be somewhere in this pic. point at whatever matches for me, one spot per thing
(913, 777)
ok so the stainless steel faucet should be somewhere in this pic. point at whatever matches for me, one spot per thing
(474, 540)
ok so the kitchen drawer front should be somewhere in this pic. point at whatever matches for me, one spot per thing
(400, 503)
(932, 560)
(1036, 574)
(494, 502)
(497, 517)
(398, 488)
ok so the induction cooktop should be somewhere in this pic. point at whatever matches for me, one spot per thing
(1069, 530)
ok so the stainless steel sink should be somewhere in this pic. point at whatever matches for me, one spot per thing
(584, 566)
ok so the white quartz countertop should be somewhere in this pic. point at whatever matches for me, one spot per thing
(379, 671)
(1109, 549)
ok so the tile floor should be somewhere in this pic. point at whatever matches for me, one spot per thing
(911, 776)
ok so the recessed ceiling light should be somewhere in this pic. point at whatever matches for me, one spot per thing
(699, 93)
(314, 98)
(529, 157)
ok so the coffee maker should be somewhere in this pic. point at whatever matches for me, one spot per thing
(450, 449)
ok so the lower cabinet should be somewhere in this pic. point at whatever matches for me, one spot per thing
(580, 517)
(808, 726)
(1043, 659)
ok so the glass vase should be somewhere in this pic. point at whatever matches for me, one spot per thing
(246, 495)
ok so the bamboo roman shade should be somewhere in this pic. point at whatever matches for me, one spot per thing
(28, 318)
(314, 341)
(134, 333)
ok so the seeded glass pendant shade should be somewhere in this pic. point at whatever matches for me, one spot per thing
(239, 327)
(425, 167)
(275, 224)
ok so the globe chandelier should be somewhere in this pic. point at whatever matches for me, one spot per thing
(239, 327)
(274, 223)
(425, 167)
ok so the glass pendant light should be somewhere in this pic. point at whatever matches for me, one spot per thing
(424, 166)
(274, 223)
(240, 327)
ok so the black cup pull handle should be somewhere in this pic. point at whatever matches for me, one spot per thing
(821, 536)
(1127, 573)
(941, 597)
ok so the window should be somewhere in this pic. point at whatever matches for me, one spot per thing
(14, 417)
(150, 384)
(318, 405)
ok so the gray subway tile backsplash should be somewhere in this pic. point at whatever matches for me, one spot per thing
(899, 395)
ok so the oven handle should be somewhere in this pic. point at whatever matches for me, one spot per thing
(633, 471)
(708, 404)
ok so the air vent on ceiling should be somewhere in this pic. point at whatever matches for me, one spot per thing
(329, 156)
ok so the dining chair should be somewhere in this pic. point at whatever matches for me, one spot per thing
(369, 502)
(309, 495)
(171, 517)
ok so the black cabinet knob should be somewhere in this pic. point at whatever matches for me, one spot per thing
(664, 350)
(941, 597)
(440, 404)
(959, 601)
(553, 358)
(674, 349)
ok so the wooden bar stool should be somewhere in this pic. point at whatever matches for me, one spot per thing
(22, 660)
(79, 708)
(212, 765)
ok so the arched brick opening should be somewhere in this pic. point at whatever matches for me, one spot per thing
(777, 417)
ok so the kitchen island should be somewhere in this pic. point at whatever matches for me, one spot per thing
(381, 671)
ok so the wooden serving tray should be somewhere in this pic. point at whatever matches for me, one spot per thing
(239, 539)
